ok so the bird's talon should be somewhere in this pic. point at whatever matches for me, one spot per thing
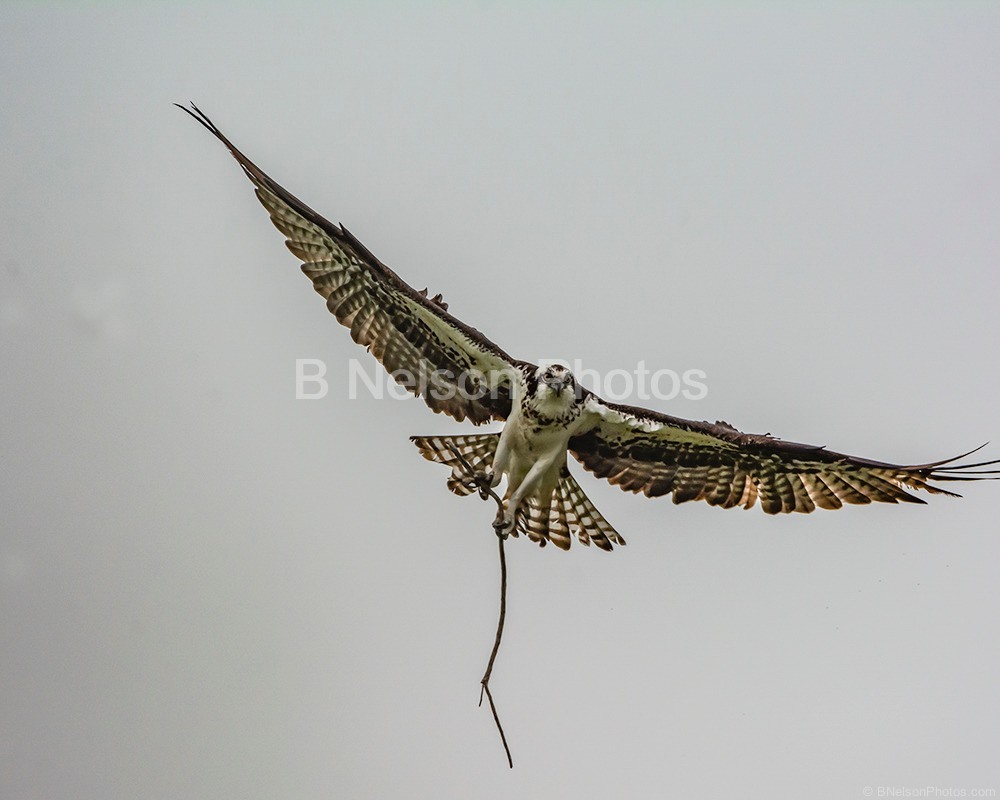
(503, 527)
(483, 481)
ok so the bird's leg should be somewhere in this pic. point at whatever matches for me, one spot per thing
(505, 526)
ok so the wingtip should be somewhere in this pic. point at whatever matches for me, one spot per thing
(200, 116)
(959, 457)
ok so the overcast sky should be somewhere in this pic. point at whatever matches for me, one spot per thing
(210, 589)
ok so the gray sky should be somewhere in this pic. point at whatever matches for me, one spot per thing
(210, 589)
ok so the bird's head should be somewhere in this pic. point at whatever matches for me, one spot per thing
(555, 382)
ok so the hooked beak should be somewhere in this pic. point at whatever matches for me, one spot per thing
(558, 385)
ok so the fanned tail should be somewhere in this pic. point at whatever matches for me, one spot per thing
(569, 512)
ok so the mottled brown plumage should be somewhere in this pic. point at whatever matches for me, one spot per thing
(642, 451)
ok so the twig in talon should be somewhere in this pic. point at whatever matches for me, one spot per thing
(482, 482)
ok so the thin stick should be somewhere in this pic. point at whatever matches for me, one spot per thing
(485, 490)
(485, 682)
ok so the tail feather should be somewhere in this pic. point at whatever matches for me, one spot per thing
(539, 523)
(589, 523)
(559, 530)
(565, 504)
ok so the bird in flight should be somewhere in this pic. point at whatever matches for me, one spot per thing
(548, 415)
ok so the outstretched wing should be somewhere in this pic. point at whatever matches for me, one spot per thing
(451, 365)
(644, 451)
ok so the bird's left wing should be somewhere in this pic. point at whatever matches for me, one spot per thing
(644, 451)
(451, 365)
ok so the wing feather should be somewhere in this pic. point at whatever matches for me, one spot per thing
(451, 365)
(644, 451)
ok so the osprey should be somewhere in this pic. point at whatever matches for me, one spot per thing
(458, 371)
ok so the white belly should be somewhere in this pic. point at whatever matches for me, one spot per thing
(530, 458)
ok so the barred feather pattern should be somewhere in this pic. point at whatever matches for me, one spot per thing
(392, 325)
(642, 451)
(779, 485)
(452, 366)
(477, 449)
(568, 512)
